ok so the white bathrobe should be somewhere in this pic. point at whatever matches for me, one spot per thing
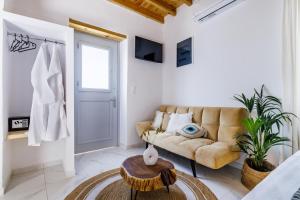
(48, 117)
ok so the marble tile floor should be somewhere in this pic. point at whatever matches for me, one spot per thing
(50, 183)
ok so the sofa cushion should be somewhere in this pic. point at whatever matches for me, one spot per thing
(152, 135)
(197, 114)
(181, 145)
(182, 110)
(174, 139)
(170, 109)
(165, 122)
(194, 144)
(229, 134)
(163, 136)
(210, 121)
(163, 108)
(230, 124)
(216, 155)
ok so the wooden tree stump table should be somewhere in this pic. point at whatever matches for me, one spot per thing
(141, 177)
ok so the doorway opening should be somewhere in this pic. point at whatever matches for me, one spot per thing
(96, 92)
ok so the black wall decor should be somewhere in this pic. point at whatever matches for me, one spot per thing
(184, 52)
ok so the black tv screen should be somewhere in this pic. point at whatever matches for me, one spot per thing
(148, 50)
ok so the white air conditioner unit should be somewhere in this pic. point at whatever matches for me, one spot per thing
(216, 9)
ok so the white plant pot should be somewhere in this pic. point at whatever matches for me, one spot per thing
(150, 155)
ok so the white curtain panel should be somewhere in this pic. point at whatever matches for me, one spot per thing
(290, 71)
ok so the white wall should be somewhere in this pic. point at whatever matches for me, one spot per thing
(123, 92)
(234, 52)
(17, 94)
(5, 147)
(143, 78)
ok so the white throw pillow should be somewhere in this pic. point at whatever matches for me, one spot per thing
(157, 120)
(178, 120)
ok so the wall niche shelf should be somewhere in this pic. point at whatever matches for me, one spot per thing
(15, 135)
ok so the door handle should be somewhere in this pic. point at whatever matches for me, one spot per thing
(114, 100)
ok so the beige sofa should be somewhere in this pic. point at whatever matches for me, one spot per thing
(215, 151)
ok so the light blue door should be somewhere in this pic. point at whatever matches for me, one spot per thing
(96, 96)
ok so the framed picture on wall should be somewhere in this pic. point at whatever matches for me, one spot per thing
(184, 52)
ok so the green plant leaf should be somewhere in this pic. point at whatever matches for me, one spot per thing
(263, 132)
(247, 102)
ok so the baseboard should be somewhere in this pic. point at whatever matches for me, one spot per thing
(27, 169)
(92, 151)
(2, 190)
(70, 173)
(35, 167)
(52, 163)
(5, 184)
(125, 147)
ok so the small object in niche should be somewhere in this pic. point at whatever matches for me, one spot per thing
(184, 52)
(18, 123)
(150, 155)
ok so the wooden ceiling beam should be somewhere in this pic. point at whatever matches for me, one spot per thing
(96, 31)
(187, 2)
(163, 6)
(140, 10)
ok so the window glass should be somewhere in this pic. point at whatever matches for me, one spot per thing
(95, 68)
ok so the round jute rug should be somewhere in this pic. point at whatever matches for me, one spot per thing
(110, 186)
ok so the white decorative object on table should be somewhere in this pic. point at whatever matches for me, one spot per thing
(150, 155)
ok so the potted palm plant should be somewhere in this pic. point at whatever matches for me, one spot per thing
(263, 132)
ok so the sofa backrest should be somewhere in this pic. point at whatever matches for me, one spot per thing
(222, 123)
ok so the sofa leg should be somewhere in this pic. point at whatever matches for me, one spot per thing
(147, 144)
(193, 168)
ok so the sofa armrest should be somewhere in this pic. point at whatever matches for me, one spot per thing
(141, 127)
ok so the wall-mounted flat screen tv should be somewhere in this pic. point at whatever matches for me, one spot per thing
(148, 50)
